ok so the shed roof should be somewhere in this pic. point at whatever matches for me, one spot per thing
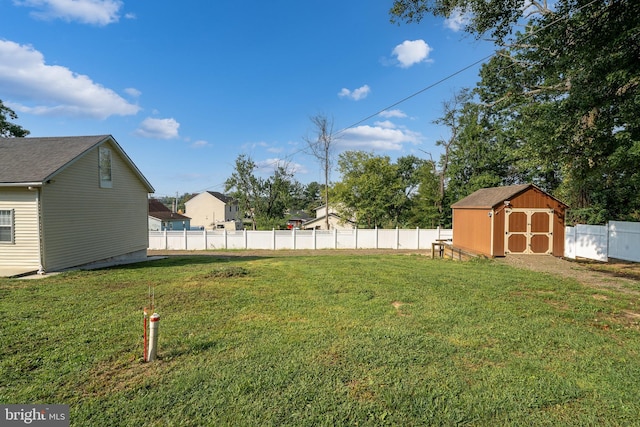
(487, 198)
(33, 161)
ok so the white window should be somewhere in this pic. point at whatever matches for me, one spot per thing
(105, 168)
(6, 226)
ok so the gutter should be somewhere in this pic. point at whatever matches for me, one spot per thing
(21, 184)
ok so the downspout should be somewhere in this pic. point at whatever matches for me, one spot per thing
(39, 227)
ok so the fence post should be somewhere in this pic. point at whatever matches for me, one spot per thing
(608, 235)
(246, 240)
(166, 240)
(224, 234)
(397, 238)
(186, 243)
(355, 232)
(376, 237)
(273, 231)
(335, 238)
(293, 235)
(315, 243)
(418, 238)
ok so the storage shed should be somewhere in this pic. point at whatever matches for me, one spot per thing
(513, 219)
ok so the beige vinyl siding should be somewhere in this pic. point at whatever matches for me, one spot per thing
(205, 211)
(83, 222)
(25, 249)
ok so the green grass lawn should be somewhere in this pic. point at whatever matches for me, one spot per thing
(322, 340)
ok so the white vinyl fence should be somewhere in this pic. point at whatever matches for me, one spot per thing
(617, 239)
(298, 239)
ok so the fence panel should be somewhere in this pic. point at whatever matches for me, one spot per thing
(297, 239)
(591, 242)
(624, 240)
(570, 242)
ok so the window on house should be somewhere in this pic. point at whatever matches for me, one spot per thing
(6, 226)
(105, 168)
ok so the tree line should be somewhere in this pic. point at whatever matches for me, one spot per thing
(557, 105)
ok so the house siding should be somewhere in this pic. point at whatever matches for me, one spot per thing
(205, 210)
(25, 250)
(83, 223)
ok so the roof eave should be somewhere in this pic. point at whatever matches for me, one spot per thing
(22, 184)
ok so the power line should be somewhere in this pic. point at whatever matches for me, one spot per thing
(442, 80)
(432, 85)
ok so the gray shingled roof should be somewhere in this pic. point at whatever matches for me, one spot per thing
(220, 196)
(35, 160)
(491, 197)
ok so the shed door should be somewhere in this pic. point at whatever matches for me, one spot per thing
(528, 231)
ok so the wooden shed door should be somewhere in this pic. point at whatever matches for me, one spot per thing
(528, 231)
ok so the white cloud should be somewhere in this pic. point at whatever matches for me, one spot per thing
(385, 124)
(356, 94)
(95, 12)
(133, 92)
(383, 136)
(389, 114)
(158, 128)
(269, 165)
(458, 20)
(32, 86)
(200, 144)
(411, 52)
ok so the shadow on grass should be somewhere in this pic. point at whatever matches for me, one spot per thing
(183, 261)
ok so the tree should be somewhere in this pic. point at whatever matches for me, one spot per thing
(370, 191)
(410, 173)
(321, 148)
(8, 129)
(423, 210)
(263, 200)
(246, 187)
(496, 17)
(561, 96)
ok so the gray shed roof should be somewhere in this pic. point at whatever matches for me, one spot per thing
(33, 161)
(491, 197)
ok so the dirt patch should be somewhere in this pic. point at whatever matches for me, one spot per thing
(587, 273)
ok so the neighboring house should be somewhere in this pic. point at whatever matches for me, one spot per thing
(514, 219)
(162, 218)
(335, 221)
(211, 210)
(69, 201)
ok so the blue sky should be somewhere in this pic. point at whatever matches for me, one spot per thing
(185, 87)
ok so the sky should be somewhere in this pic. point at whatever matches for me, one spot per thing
(186, 87)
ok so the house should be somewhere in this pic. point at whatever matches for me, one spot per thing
(335, 221)
(211, 210)
(514, 219)
(69, 201)
(162, 218)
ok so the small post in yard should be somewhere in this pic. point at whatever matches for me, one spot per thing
(154, 330)
(144, 325)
